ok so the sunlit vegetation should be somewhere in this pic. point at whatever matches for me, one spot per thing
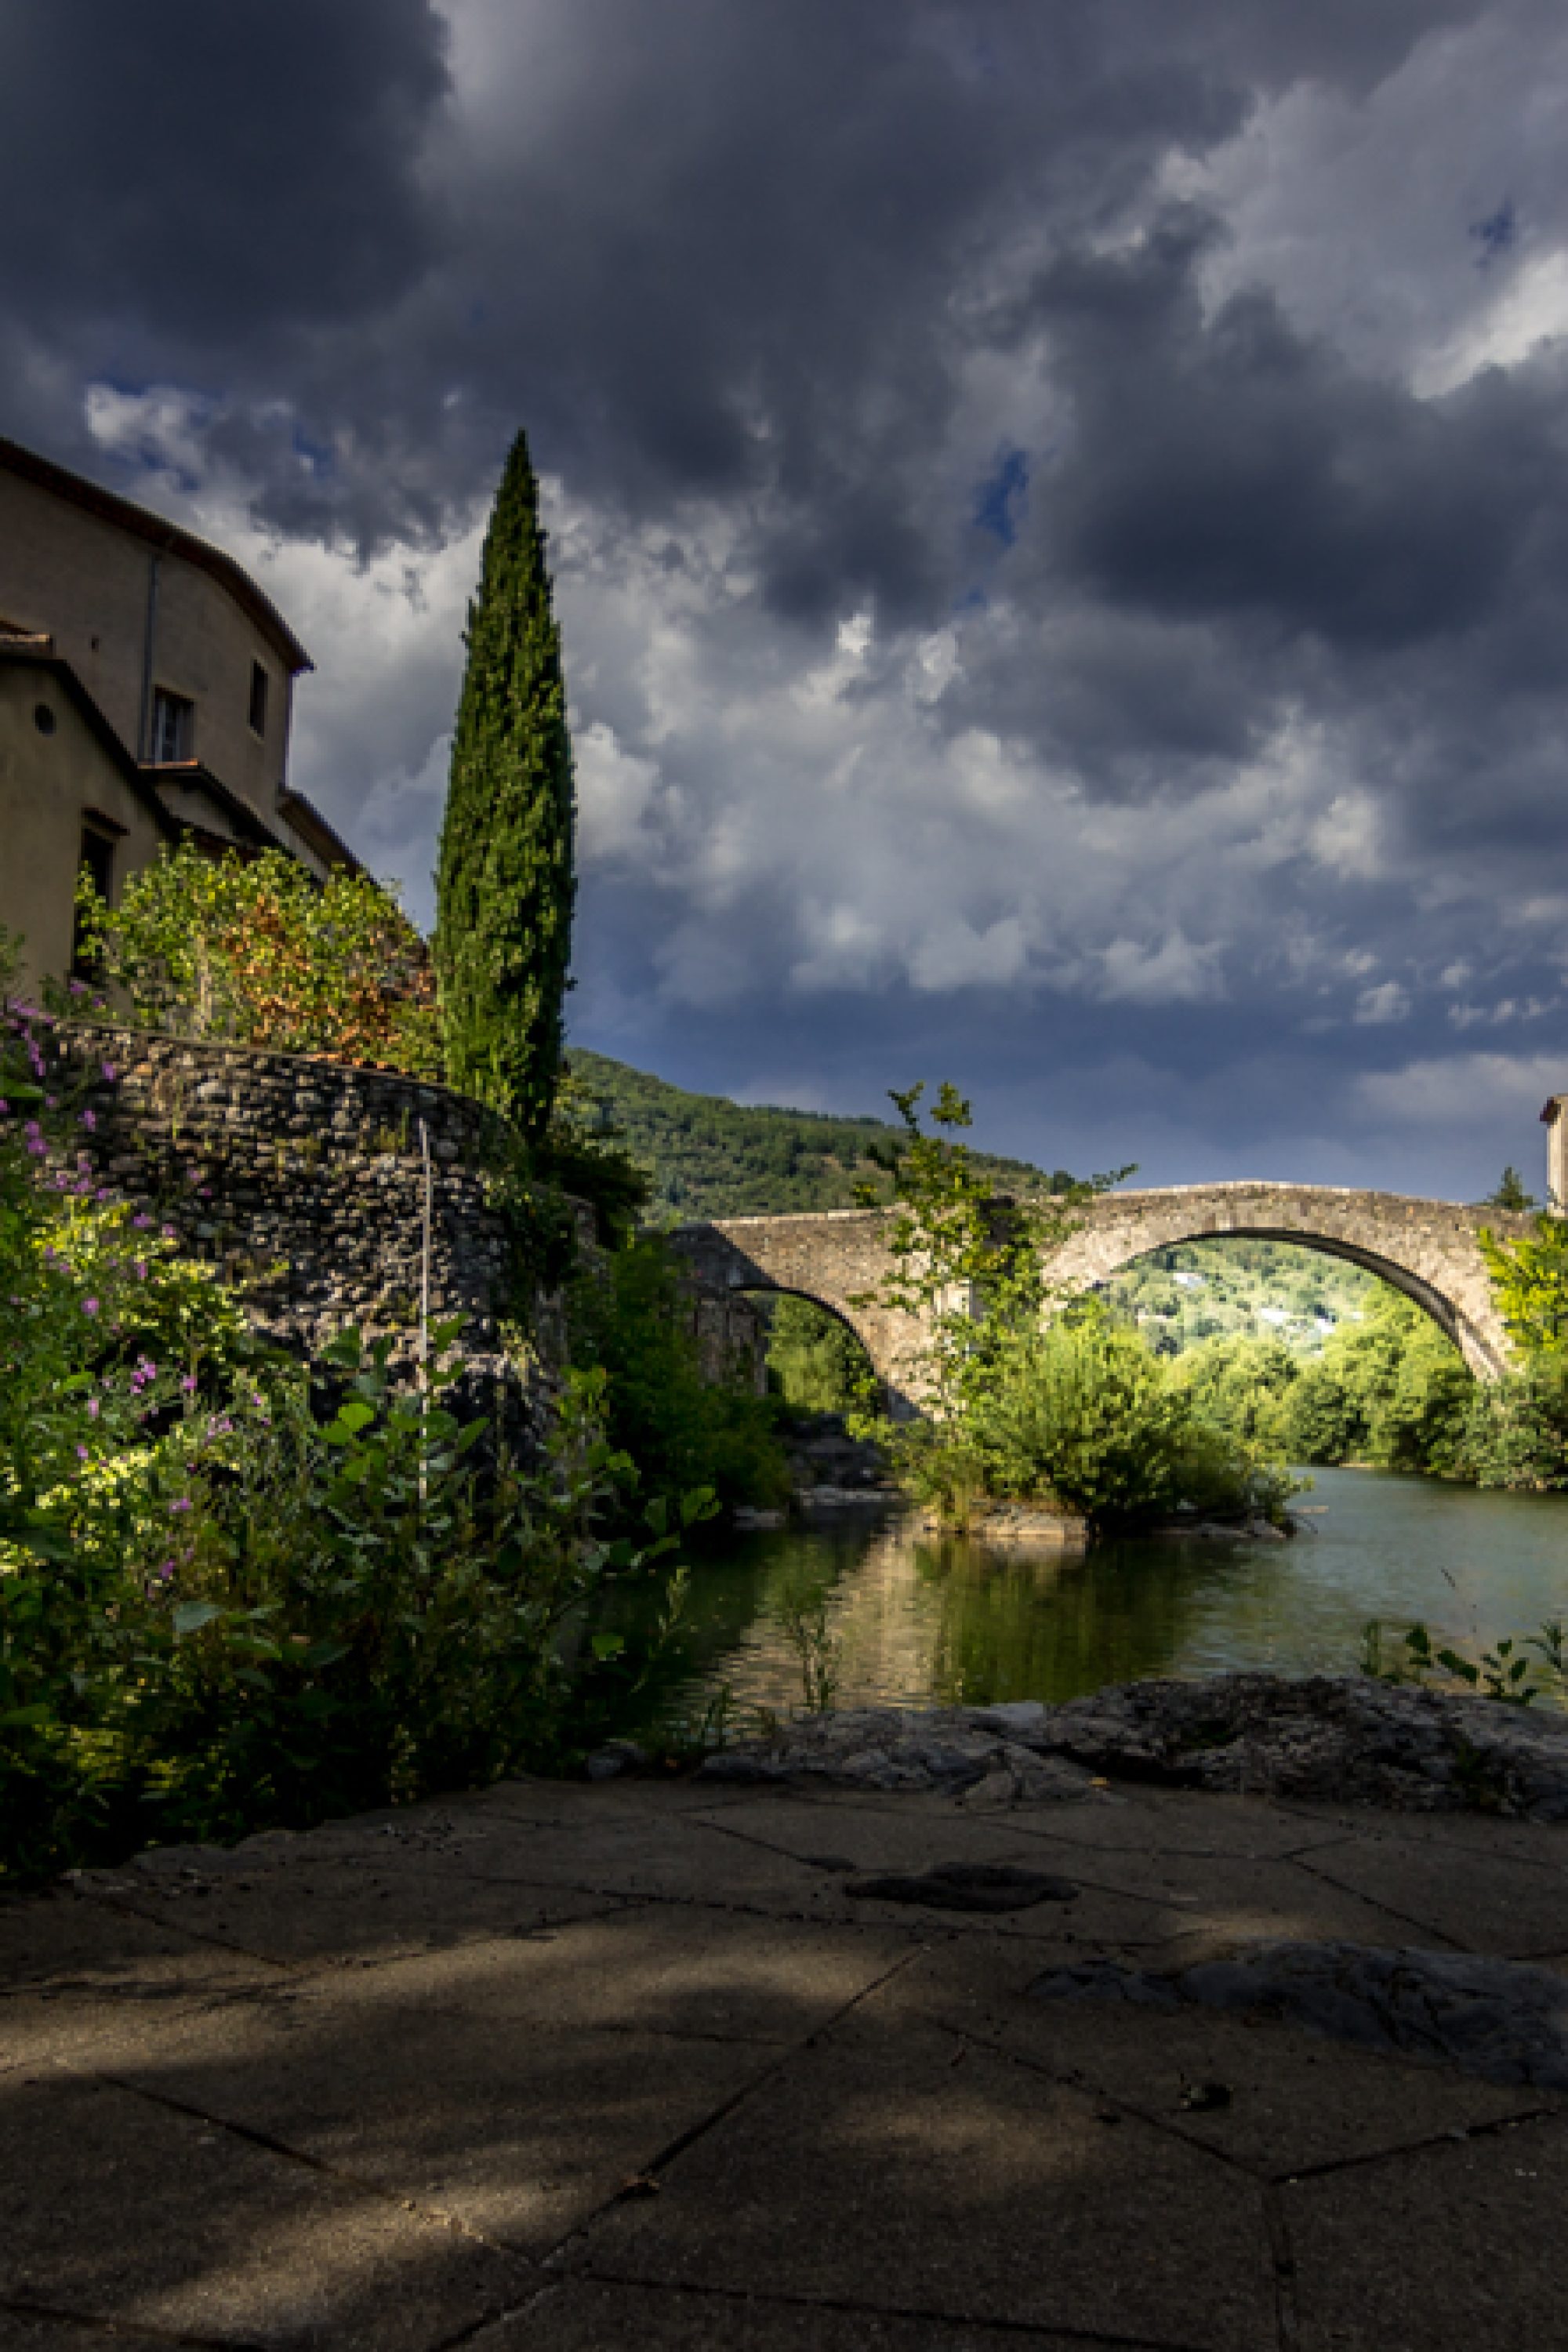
(1221, 1289)
(711, 1158)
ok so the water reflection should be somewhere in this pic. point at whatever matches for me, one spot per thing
(909, 1618)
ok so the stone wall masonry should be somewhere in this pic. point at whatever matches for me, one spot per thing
(301, 1180)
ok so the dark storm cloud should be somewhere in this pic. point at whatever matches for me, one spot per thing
(990, 582)
(214, 175)
(1231, 466)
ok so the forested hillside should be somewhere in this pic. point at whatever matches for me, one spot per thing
(712, 1157)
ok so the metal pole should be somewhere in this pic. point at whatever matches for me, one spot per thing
(424, 1301)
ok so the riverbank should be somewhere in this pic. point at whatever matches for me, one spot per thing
(794, 2069)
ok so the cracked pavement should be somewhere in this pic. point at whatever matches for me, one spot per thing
(572, 2066)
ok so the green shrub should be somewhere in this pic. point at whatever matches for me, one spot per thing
(817, 1363)
(1240, 1385)
(256, 952)
(237, 1592)
(1090, 1414)
(1516, 1432)
(634, 1319)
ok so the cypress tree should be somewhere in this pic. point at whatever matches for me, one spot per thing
(504, 883)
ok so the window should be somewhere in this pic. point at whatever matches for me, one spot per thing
(96, 861)
(173, 728)
(257, 699)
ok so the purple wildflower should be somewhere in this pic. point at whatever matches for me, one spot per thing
(89, 1120)
(108, 1072)
(188, 1383)
(92, 1408)
(181, 1503)
(141, 1223)
(81, 1453)
(89, 1306)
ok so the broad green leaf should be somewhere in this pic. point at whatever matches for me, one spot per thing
(190, 1616)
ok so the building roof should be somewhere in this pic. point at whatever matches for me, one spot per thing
(309, 822)
(192, 776)
(152, 781)
(167, 536)
(38, 653)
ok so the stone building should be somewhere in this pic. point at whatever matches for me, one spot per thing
(146, 687)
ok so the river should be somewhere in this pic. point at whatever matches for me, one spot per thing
(885, 1615)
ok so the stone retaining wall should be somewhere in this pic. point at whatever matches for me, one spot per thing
(301, 1180)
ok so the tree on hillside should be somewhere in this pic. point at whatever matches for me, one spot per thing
(1511, 1193)
(504, 877)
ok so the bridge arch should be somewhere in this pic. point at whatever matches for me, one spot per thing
(1426, 1249)
(836, 1258)
(833, 1257)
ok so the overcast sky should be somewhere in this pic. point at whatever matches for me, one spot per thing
(1057, 511)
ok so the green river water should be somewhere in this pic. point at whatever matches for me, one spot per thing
(899, 1617)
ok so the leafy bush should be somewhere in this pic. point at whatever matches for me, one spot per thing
(817, 1363)
(1392, 1391)
(237, 1591)
(1516, 1432)
(256, 952)
(1090, 1414)
(1240, 1386)
(633, 1318)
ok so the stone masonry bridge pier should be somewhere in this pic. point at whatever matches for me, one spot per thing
(1428, 1249)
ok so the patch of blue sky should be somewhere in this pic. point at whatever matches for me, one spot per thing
(1000, 497)
(1497, 234)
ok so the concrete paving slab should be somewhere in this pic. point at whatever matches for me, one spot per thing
(1450, 2250)
(1179, 1821)
(329, 1912)
(21, 2331)
(978, 2190)
(854, 1841)
(1234, 1898)
(1497, 1903)
(113, 2207)
(514, 2131)
(582, 2316)
(70, 1967)
(1465, 1832)
(661, 1968)
(64, 1943)
(1272, 2098)
(619, 1854)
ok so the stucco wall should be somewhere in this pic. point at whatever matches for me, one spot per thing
(47, 783)
(82, 580)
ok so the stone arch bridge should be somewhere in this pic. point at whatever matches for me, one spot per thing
(1428, 1249)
